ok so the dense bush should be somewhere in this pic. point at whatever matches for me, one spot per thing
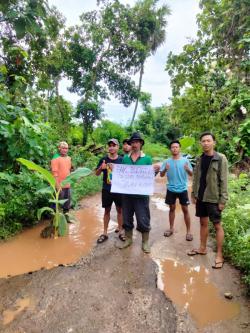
(19, 201)
(84, 187)
(236, 223)
(79, 155)
(157, 151)
(107, 130)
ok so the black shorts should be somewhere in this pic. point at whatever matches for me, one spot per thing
(172, 196)
(208, 209)
(108, 198)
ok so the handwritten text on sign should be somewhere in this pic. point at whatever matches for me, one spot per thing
(133, 179)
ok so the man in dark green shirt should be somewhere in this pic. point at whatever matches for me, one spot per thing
(210, 194)
(136, 204)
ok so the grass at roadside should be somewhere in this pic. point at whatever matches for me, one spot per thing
(236, 223)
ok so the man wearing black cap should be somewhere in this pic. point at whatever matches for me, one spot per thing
(105, 166)
(136, 204)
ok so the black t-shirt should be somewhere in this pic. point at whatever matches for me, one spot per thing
(107, 173)
(205, 162)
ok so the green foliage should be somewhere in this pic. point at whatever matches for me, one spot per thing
(28, 31)
(187, 144)
(157, 124)
(157, 151)
(45, 174)
(85, 187)
(19, 197)
(90, 112)
(76, 175)
(107, 130)
(210, 77)
(236, 223)
(82, 157)
(22, 132)
(75, 135)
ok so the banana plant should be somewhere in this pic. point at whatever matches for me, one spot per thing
(59, 224)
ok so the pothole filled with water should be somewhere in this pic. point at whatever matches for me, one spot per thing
(29, 252)
(190, 288)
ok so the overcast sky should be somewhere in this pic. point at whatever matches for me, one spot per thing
(181, 26)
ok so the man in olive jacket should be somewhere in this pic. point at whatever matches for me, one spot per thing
(210, 194)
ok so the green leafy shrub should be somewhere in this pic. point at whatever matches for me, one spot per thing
(236, 223)
(75, 135)
(22, 133)
(157, 151)
(84, 187)
(19, 201)
(107, 130)
(79, 155)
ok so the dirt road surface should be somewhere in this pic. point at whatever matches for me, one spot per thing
(110, 290)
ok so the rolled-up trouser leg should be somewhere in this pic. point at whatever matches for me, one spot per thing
(142, 214)
(128, 212)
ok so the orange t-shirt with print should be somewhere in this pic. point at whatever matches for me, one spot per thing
(61, 167)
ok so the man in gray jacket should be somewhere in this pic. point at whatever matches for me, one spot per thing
(210, 194)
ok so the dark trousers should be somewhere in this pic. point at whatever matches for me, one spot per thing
(65, 194)
(140, 207)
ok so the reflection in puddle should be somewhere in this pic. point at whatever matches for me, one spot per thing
(20, 305)
(29, 252)
(189, 287)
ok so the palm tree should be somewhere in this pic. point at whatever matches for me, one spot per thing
(150, 24)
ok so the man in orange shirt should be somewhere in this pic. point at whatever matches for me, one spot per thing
(61, 167)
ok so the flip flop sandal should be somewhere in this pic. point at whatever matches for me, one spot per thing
(196, 252)
(218, 264)
(168, 233)
(189, 237)
(102, 239)
(122, 237)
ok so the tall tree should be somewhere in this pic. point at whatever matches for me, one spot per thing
(210, 77)
(149, 28)
(28, 32)
(89, 112)
(101, 55)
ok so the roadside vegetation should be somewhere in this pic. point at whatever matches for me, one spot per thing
(210, 91)
(236, 223)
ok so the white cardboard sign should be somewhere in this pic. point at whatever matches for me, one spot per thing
(132, 179)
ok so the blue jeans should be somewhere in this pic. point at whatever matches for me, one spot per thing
(140, 207)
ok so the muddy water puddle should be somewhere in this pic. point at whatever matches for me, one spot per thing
(29, 252)
(190, 288)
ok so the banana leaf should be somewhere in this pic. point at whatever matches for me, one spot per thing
(43, 172)
(76, 175)
(61, 202)
(46, 190)
(44, 209)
